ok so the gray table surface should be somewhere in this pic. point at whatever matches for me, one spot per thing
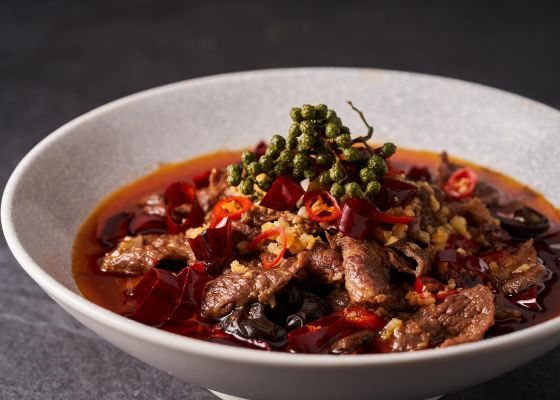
(59, 59)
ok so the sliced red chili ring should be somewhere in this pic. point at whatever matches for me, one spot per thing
(361, 318)
(395, 219)
(231, 207)
(461, 183)
(321, 206)
(279, 233)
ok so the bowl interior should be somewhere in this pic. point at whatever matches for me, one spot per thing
(64, 177)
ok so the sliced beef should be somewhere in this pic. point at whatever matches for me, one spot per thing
(351, 344)
(445, 169)
(366, 271)
(243, 231)
(487, 193)
(209, 196)
(232, 289)
(521, 270)
(478, 215)
(135, 255)
(460, 318)
(400, 253)
(325, 264)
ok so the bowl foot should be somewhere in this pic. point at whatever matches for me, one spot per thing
(224, 396)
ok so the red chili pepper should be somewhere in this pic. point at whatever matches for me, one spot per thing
(144, 223)
(419, 173)
(114, 228)
(182, 208)
(260, 149)
(279, 234)
(359, 216)
(461, 183)
(528, 299)
(321, 206)
(423, 284)
(201, 180)
(156, 294)
(395, 193)
(283, 194)
(395, 219)
(192, 281)
(214, 245)
(316, 336)
(361, 318)
(392, 170)
(231, 207)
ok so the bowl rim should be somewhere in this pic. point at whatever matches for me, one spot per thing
(80, 304)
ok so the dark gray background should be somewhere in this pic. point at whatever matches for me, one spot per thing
(59, 59)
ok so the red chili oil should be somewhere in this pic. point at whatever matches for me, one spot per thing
(113, 292)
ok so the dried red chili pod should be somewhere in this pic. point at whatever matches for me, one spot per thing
(260, 149)
(357, 218)
(419, 173)
(144, 223)
(214, 245)
(316, 336)
(395, 193)
(182, 208)
(192, 281)
(528, 299)
(156, 295)
(283, 194)
(201, 180)
(114, 228)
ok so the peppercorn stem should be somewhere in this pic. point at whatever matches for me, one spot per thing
(367, 137)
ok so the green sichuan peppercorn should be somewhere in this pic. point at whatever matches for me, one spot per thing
(351, 154)
(291, 142)
(367, 175)
(325, 178)
(285, 157)
(298, 172)
(332, 130)
(353, 190)
(308, 128)
(234, 172)
(295, 114)
(308, 111)
(266, 161)
(337, 190)
(343, 141)
(254, 168)
(306, 143)
(300, 161)
(247, 186)
(294, 130)
(377, 164)
(387, 150)
(372, 189)
(321, 111)
(263, 181)
(337, 172)
(331, 114)
(272, 152)
(278, 143)
(309, 174)
(323, 159)
(344, 129)
(247, 157)
(279, 169)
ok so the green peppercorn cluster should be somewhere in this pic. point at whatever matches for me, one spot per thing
(320, 148)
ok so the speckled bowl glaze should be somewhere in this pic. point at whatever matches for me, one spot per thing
(59, 182)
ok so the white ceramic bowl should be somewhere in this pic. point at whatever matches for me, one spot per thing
(58, 183)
